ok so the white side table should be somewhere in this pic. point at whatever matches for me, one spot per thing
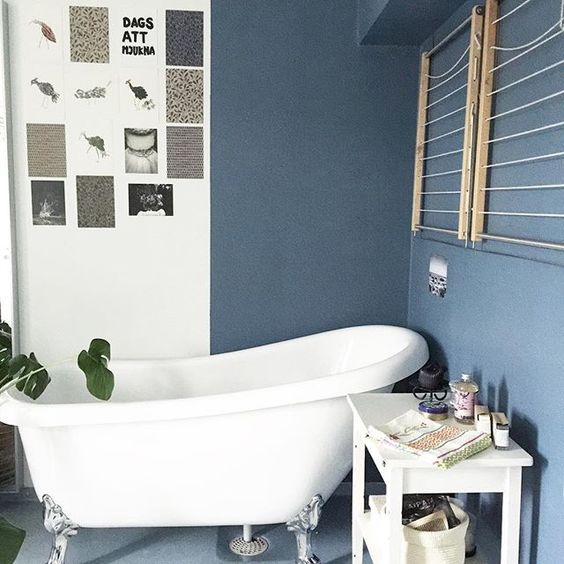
(489, 471)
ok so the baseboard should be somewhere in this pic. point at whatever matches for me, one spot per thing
(23, 494)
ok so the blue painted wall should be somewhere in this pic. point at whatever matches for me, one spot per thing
(503, 316)
(312, 143)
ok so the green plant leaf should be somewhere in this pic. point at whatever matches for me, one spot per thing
(34, 385)
(11, 540)
(94, 364)
(4, 370)
(12, 368)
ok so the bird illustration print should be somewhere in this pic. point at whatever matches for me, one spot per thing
(48, 91)
(98, 143)
(47, 34)
(141, 97)
(93, 94)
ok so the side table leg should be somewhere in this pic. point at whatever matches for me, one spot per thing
(359, 453)
(394, 501)
(511, 517)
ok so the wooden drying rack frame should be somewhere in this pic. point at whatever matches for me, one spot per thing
(483, 140)
(470, 126)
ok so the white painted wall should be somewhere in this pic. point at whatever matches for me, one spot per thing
(6, 297)
(143, 285)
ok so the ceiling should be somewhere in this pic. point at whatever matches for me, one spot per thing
(402, 22)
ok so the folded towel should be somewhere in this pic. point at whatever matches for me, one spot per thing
(443, 445)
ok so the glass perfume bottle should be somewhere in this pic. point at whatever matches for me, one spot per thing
(464, 393)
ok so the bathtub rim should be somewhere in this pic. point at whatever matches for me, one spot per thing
(406, 361)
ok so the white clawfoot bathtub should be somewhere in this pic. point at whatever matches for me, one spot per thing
(238, 438)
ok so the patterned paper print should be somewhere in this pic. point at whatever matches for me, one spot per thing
(184, 96)
(95, 201)
(89, 34)
(185, 152)
(46, 150)
(48, 202)
(184, 38)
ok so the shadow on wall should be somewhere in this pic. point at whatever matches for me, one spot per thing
(436, 351)
(525, 433)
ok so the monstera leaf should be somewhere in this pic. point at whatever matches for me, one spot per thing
(11, 540)
(28, 375)
(5, 349)
(37, 377)
(94, 364)
(5, 340)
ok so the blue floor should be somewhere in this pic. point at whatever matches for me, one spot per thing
(198, 545)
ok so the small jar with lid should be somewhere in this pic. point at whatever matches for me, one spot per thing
(464, 392)
(434, 410)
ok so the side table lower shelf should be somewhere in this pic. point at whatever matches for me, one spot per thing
(375, 541)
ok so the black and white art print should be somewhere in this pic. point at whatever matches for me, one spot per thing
(44, 95)
(91, 92)
(92, 148)
(139, 96)
(141, 151)
(48, 202)
(438, 276)
(151, 199)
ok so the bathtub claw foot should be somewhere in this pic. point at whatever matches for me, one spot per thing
(60, 526)
(302, 526)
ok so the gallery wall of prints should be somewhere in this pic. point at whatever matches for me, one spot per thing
(111, 149)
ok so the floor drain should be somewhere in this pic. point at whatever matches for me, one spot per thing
(241, 547)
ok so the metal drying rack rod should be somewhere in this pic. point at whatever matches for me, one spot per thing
(526, 132)
(501, 65)
(439, 192)
(446, 96)
(458, 110)
(527, 77)
(528, 105)
(447, 38)
(445, 173)
(452, 132)
(526, 160)
(527, 242)
(524, 187)
(437, 229)
(511, 12)
(457, 151)
(439, 211)
(461, 69)
(523, 214)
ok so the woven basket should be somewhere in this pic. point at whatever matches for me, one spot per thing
(426, 547)
(437, 547)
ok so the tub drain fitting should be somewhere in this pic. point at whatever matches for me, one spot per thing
(254, 547)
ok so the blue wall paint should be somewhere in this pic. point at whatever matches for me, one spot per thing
(503, 316)
(311, 172)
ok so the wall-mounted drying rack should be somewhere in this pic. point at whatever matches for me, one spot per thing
(491, 88)
(438, 91)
